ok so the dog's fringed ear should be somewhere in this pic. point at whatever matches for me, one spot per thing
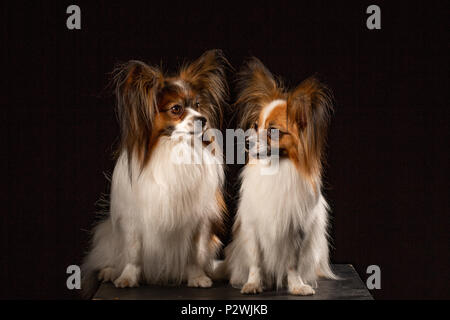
(256, 86)
(206, 75)
(136, 88)
(310, 104)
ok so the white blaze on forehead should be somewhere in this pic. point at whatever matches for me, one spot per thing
(192, 112)
(180, 83)
(270, 107)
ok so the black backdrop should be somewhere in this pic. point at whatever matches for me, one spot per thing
(387, 173)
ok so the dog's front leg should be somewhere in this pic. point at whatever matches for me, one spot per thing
(254, 281)
(131, 251)
(196, 276)
(301, 266)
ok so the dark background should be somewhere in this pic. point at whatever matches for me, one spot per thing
(387, 173)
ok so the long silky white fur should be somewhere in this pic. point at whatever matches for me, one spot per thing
(156, 216)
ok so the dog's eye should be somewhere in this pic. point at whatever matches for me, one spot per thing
(256, 126)
(197, 105)
(176, 109)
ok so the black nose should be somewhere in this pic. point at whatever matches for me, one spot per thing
(202, 120)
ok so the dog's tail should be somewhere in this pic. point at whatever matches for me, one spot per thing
(324, 271)
(101, 255)
(89, 281)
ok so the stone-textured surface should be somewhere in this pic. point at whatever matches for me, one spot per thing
(349, 287)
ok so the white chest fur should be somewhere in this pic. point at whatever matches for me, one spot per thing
(278, 203)
(165, 205)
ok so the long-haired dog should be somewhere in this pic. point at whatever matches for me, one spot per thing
(163, 212)
(280, 231)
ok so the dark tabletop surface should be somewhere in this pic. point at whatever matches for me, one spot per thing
(348, 287)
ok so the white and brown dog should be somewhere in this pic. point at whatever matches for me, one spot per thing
(163, 213)
(280, 231)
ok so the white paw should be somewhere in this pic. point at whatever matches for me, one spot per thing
(200, 281)
(251, 288)
(301, 290)
(106, 274)
(129, 277)
(125, 281)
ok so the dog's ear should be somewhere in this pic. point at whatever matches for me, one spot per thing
(206, 75)
(310, 105)
(256, 86)
(136, 88)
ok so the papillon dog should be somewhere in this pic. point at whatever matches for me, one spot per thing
(164, 213)
(280, 229)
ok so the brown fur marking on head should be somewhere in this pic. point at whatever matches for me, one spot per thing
(144, 93)
(305, 116)
(257, 87)
(310, 105)
(206, 75)
(137, 86)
